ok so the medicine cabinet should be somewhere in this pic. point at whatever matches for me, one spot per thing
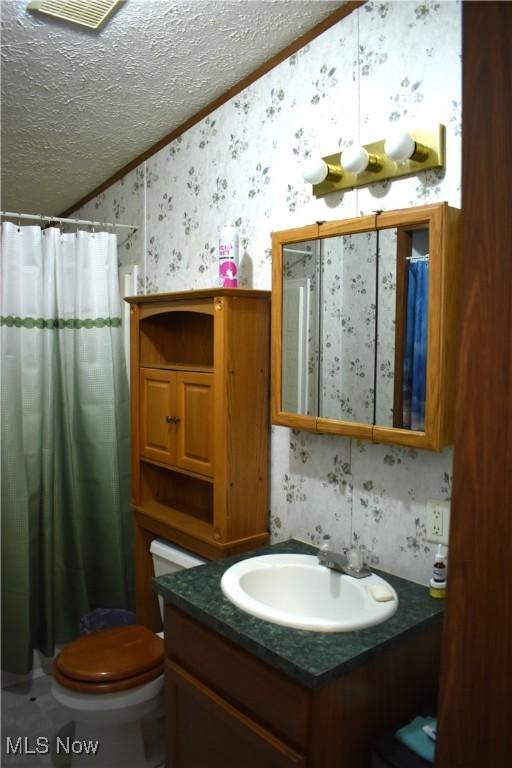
(364, 337)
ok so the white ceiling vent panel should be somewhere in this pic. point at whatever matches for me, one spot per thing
(88, 13)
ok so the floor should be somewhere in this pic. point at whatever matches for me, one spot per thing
(32, 720)
(29, 712)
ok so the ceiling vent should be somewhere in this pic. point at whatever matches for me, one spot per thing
(88, 13)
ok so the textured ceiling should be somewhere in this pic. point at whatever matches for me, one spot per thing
(78, 105)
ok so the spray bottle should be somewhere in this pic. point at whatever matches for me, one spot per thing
(228, 256)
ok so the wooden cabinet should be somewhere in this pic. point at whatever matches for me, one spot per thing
(176, 417)
(226, 708)
(200, 419)
(195, 416)
(364, 326)
(227, 736)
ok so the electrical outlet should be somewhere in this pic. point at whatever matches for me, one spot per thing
(438, 521)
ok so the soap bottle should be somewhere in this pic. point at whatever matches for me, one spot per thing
(439, 574)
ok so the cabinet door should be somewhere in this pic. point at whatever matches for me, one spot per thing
(157, 411)
(195, 429)
(204, 731)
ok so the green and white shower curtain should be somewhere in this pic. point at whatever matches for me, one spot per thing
(66, 527)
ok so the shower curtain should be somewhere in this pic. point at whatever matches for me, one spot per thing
(415, 354)
(66, 527)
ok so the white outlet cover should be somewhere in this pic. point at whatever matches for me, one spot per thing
(433, 506)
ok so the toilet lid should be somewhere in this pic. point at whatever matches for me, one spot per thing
(111, 654)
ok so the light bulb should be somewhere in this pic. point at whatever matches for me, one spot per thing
(355, 159)
(400, 146)
(315, 171)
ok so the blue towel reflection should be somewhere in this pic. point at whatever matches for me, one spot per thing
(415, 354)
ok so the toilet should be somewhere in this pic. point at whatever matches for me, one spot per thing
(110, 684)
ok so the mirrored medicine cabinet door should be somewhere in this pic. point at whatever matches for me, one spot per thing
(364, 327)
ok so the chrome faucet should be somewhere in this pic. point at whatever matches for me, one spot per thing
(348, 561)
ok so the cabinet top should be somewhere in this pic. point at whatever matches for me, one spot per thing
(200, 293)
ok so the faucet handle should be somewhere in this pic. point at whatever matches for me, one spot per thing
(355, 558)
(325, 554)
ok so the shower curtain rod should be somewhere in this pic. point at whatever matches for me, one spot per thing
(39, 217)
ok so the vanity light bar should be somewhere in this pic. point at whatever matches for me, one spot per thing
(429, 153)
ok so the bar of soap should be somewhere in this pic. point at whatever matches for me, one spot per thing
(380, 593)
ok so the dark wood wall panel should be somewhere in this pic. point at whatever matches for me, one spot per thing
(476, 672)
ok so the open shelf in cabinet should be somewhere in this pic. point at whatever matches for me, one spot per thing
(177, 339)
(182, 367)
(174, 519)
(180, 494)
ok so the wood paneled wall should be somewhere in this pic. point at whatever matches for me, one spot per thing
(476, 676)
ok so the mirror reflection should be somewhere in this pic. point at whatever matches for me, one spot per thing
(347, 346)
(301, 323)
(355, 325)
(385, 329)
(402, 328)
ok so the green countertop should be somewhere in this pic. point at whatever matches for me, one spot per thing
(312, 659)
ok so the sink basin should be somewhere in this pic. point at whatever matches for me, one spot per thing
(296, 591)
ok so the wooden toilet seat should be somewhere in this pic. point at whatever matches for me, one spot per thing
(110, 660)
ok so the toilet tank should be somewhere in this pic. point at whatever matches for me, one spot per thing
(167, 558)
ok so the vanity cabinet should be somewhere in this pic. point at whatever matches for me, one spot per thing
(364, 326)
(226, 737)
(226, 708)
(199, 411)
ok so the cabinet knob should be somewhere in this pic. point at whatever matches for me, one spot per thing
(172, 419)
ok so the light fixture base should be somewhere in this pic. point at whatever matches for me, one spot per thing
(433, 139)
(334, 172)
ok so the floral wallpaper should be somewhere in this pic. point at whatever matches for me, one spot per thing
(386, 64)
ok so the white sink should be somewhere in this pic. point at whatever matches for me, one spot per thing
(295, 591)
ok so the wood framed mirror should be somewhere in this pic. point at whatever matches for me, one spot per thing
(364, 326)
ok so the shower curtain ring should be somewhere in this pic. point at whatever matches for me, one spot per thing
(19, 222)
